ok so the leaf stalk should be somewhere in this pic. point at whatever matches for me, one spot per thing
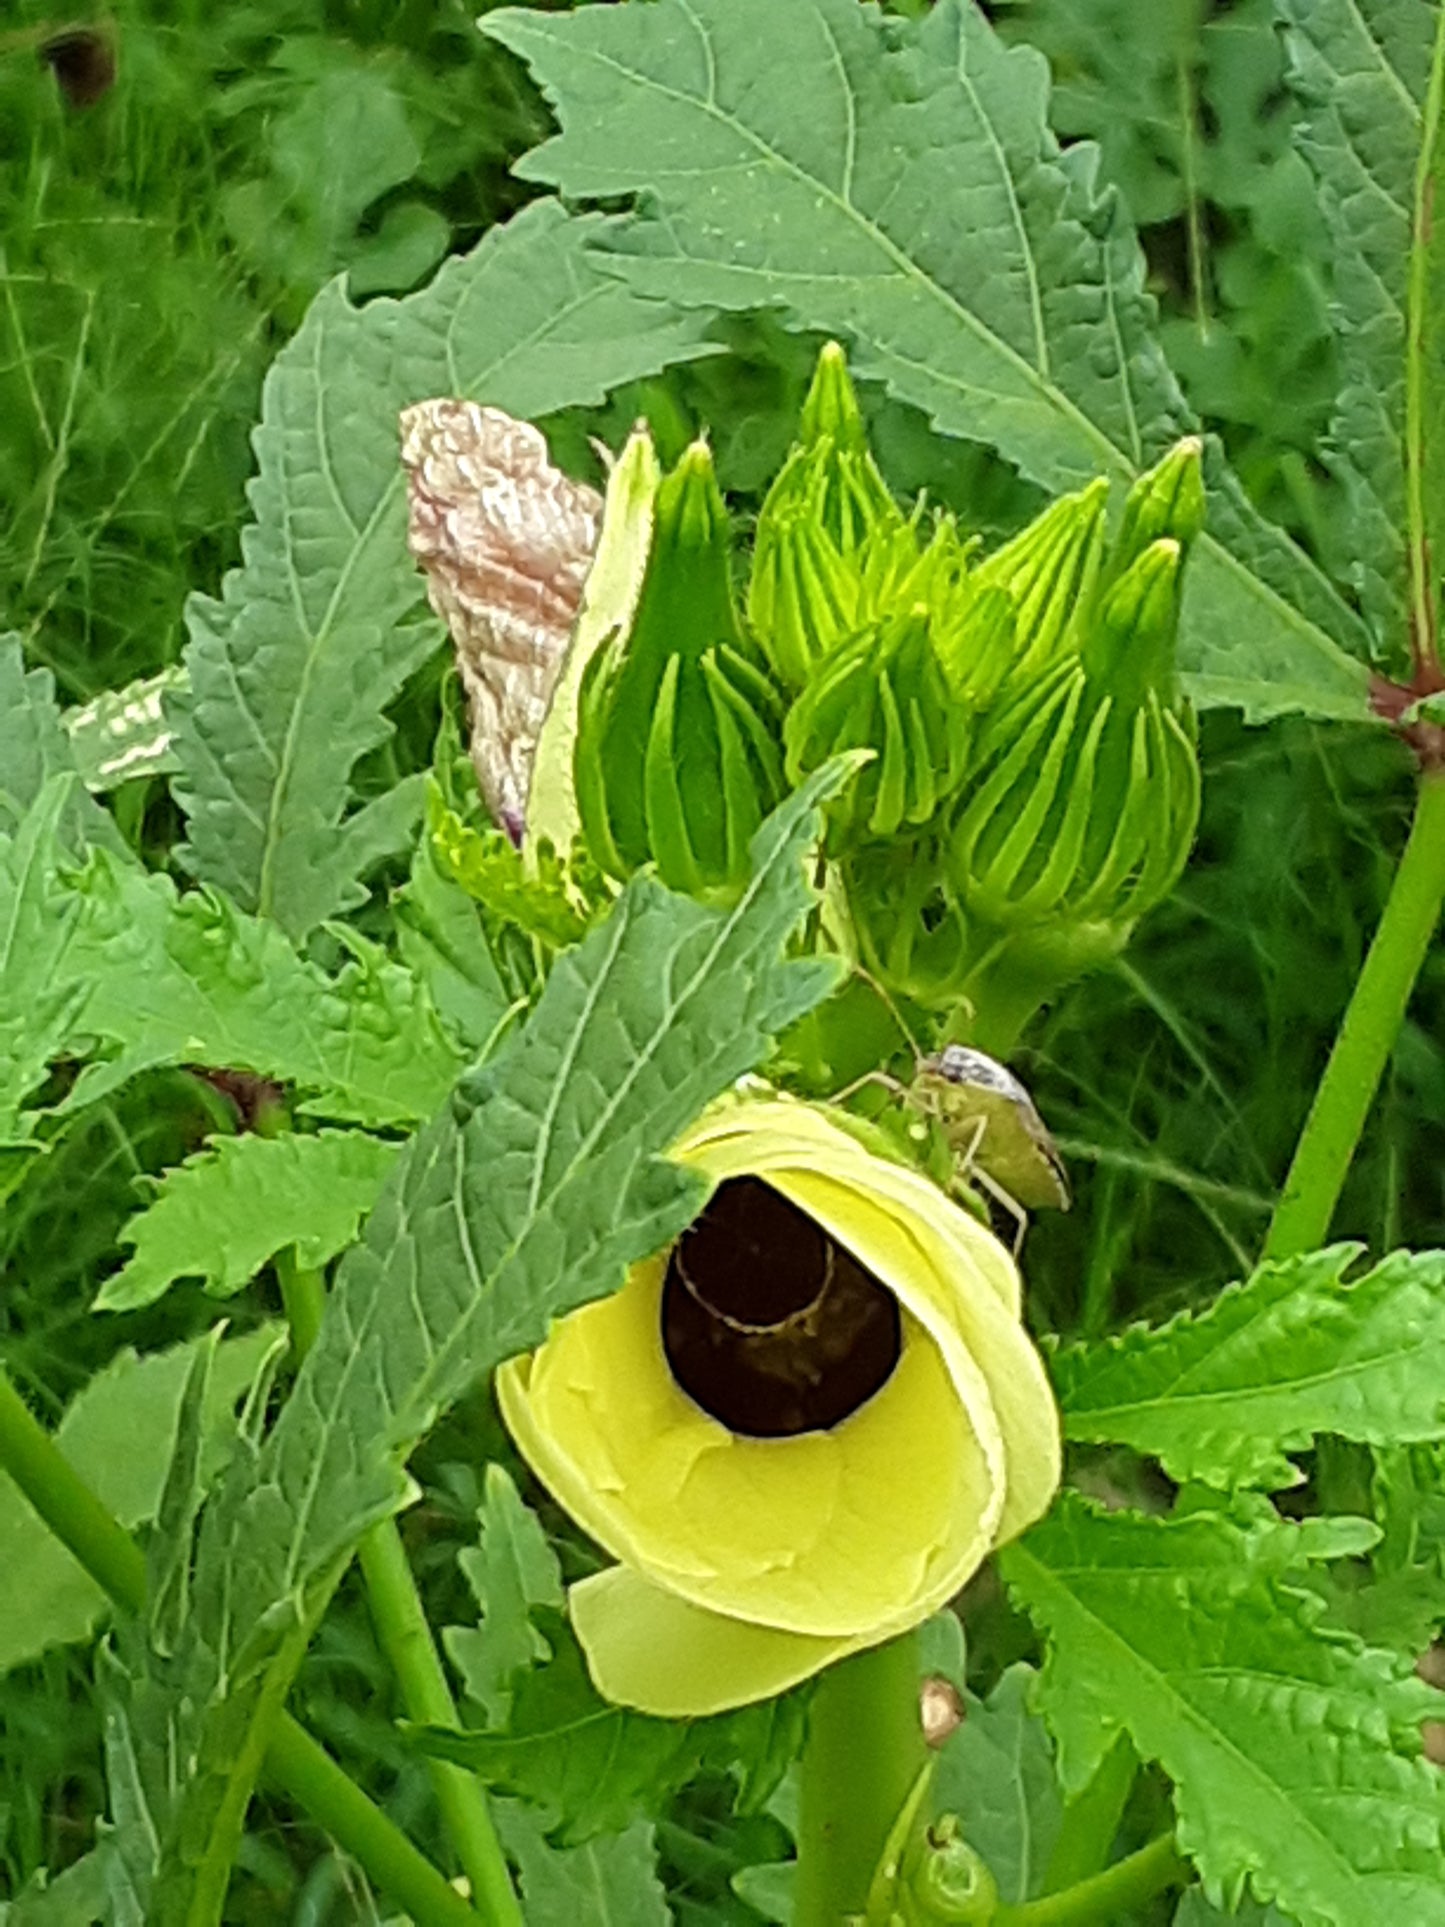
(406, 1639)
(1418, 369)
(1112, 1895)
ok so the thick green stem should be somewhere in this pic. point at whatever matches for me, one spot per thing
(406, 1639)
(861, 1758)
(1109, 1896)
(294, 1761)
(1367, 1035)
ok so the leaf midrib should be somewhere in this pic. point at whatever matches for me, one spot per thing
(909, 270)
(1164, 1689)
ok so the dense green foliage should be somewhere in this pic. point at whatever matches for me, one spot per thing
(242, 974)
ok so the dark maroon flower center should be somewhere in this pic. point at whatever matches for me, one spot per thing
(768, 1323)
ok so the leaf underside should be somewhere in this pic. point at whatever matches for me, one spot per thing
(1360, 70)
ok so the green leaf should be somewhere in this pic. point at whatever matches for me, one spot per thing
(531, 1193)
(113, 963)
(900, 188)
(997, 1774)
(34, 749)
(588, 1766)
(1223, 1394)
(1398, 1601)
(117, 1434)
(222, 1214)
(610, 1882)
(39, 1005)
(511, 1571)
(1362, 72)
(591, 1767)
(134, 1836)
(123, 733)
(76, 1898)
(292, 667)
(1196, 1910)
(1294, 1750)
(441, 937)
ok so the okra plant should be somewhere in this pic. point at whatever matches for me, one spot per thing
(629, 1096)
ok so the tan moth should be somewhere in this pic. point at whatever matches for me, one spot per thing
(506, 542)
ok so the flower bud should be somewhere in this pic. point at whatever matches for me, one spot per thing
(1167, 499)
(677, 757)
(908, 924)
(975, 632)
(885, 691)
(1048, 571)
(854, 499)
(827, 519)
(1085, 792)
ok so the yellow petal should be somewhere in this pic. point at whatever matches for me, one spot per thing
(927, 1250)
(648, 1648)
(839, 1533)
(826, 1541)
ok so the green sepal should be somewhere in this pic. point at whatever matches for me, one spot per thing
(1083, 808)
(678, 757)
(1167, 499)
(909, 927)
(976, 636)
(1049, 571)
(885, 690)
(830, 408)
(854, 499)
(802, 596)
(827, 520)
(1129, 650)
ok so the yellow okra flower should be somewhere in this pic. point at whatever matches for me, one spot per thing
(799, 1431)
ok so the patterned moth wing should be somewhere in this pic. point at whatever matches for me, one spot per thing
(505, 541)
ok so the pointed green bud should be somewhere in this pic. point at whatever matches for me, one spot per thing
(826, 513)
(976, 635)
(950, 1881)
(1050, 569)
(609, 602)
(884, 690)
(677, 757)
(803, 596)
(1080, 814)
(1167, 500)
(1130, 646)
(830, 410)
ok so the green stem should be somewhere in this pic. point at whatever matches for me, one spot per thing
(1091, 1820)
(1367, 1035)
(294, 1761)
(406, 1639)
(862, 1756)
(1109, 1896)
